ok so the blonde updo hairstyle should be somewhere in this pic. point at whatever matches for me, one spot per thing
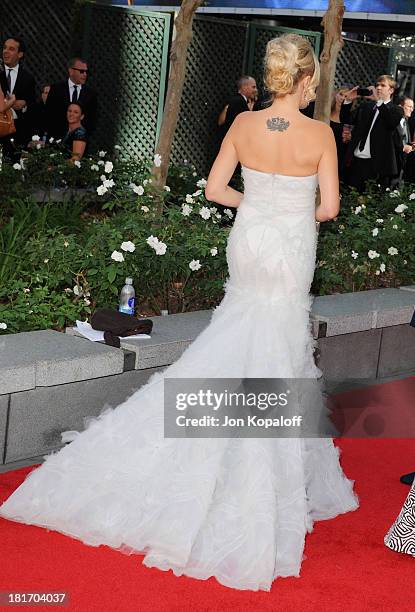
(288, 59)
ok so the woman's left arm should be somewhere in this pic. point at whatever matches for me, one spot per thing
(78, 149)
(217, 188)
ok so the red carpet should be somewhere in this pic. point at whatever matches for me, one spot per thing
(347, 567)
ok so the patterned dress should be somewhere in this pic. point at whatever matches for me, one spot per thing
(401, 536)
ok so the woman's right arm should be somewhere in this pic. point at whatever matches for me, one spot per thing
(328, 178)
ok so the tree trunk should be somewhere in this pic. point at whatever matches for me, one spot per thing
(333, 42)
(178, 54)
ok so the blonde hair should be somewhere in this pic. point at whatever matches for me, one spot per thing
(387, 78)
(288, 59)
(334, 94)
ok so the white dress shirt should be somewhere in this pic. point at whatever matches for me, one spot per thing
(71, 86)
(14, 71)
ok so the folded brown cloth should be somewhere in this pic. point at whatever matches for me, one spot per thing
(115, 324)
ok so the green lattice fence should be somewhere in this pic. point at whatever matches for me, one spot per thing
(48, 28)
(214, 63)
(361, 63)
(127, 50)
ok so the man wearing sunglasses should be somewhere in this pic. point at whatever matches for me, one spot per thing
(74, 89)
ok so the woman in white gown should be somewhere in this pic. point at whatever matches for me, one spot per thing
(236, 509)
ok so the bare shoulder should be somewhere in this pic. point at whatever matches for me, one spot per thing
(240, 124)
(319, 128)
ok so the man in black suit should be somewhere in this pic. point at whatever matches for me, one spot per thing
(15, 79)
(406, 141)
(74, 89)
(372, 149)
(243, 101)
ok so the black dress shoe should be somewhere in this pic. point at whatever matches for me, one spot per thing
(408, 478)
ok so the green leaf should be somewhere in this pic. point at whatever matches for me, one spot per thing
(112, 273)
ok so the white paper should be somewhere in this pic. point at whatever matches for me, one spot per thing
(95, 335)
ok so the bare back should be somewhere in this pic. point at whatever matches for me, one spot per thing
(292, 145)
(278, 140)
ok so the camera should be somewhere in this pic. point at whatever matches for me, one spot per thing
(364, 91)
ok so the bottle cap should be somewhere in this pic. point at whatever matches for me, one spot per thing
(128, 281)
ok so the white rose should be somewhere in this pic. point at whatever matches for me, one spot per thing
(17, 167)
(214, 251)
(102, 153)
(372, 254)
(228, 213)
(95, 167)
(195, 265)
(145, 209)
(382, 267)
(101, 190)
(160, 248)
(375, 231)
(357, 210)
(35, 138)
(355, 255)
(186, 210)
(189, 199)
(138, 189)
(3, 325)
(412, 196)
(401, 208)
(51, 139)
(103, 177)
(77, 163)
(202, 183)
(128, 246)
(117, 256)
(157, 160)
(108, 167)
(393, 251)
(101, 162)
(152, 241)
(205, 213)
(394, 227)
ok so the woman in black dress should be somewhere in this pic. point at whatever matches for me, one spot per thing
(76, 137)
(340, 120)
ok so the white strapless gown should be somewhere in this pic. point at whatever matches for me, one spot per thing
(236, 509)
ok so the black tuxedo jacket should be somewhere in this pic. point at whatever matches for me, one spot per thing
(57, 104)
(24, 89)
(237, 105)
(382, 136)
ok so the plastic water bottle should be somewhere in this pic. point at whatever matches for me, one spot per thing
(127, 297)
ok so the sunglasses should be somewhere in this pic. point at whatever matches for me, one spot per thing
(80, 70)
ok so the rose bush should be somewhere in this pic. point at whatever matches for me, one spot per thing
(60, 261)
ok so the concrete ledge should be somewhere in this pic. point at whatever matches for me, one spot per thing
(354, 312)
(47, 358)
(4, 404)
(39, 416)
(49, 382)
(170, 338)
